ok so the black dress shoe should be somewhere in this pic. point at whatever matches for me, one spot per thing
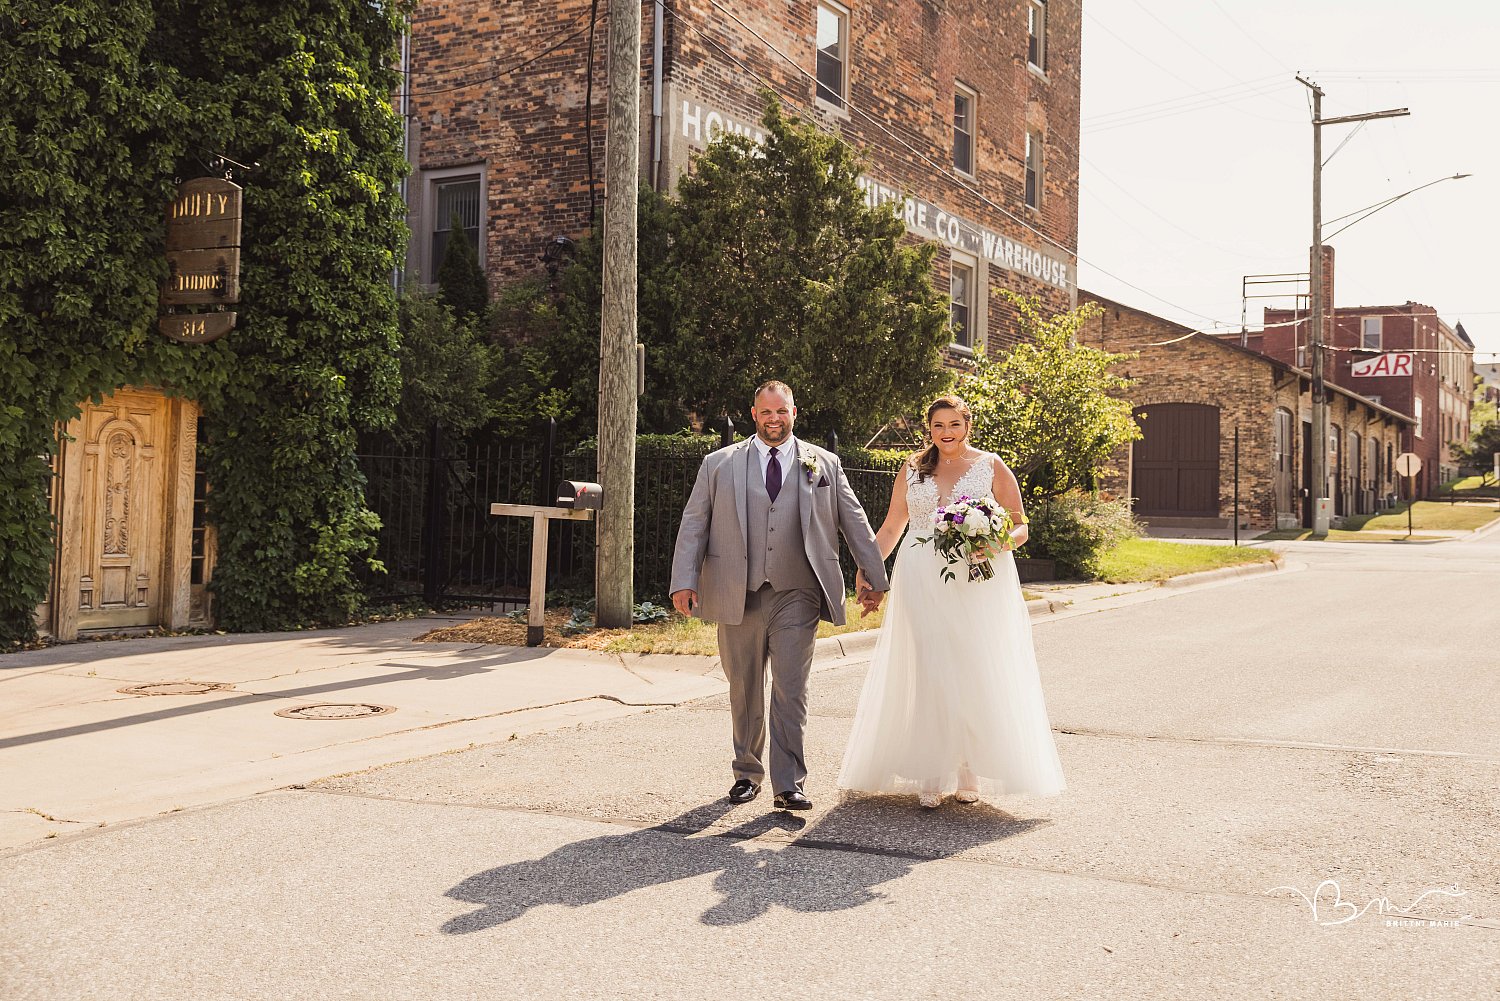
(793, 800)
(743, 791)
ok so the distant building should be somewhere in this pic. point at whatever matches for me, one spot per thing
(968, 112)
(1193, 392)
(1402, 356)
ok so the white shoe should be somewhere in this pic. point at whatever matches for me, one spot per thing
(930, 800)
(966, 796)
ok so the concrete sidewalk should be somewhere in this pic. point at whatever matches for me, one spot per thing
(79, 752)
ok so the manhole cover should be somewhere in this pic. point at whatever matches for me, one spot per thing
(176, 688)
(336, 710)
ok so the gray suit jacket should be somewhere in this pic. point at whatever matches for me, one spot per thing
(711, 555)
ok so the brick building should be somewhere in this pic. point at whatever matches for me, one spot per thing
(1193, 392)
(968, 111)
(1428, 374)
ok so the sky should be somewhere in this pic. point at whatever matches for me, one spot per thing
(1196, 153)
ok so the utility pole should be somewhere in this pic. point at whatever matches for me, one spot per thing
(615, 554)
(1317, 307)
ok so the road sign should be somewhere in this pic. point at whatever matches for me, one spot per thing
(1408, 464)
(1390, 363)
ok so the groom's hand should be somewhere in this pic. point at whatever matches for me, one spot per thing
(685, 601)
(871, 601)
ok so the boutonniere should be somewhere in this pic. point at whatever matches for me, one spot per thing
(810, 466)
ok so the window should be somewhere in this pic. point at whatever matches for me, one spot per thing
(833, 54)
(964, 103)
(1301, 355)
(1417, 413)
(1033, 170)
(1036, 30)
(455, 201)
(1369, 333)
(961, 307)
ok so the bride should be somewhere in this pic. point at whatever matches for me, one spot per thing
(953, 701)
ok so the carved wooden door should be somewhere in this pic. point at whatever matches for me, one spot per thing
(123, 511)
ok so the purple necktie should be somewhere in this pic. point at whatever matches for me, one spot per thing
(773, 477)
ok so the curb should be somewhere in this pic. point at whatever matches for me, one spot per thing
(857, 644)
(1223, 573)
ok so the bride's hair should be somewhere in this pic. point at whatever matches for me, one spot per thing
(925, 462)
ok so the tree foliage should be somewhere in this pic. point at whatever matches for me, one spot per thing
(445, 371)
(461, 281)
(1050, 407)
(768, 263)
(106, 104)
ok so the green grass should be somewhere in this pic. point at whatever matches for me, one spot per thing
(694, 636)
(1426, 515)
(1471, 487)
(1137, 560)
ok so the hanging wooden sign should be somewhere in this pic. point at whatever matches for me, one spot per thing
(204, 215)
(202, 277)
(196, 328)
(203, 259)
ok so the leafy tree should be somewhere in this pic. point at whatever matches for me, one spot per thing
(1050, 407)
(767, 264)
(787, 273)
(445, 370)
(535, 364)
(461, 280)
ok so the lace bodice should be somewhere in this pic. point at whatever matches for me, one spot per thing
(922, 498)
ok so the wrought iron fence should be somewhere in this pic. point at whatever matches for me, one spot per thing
(438, 540)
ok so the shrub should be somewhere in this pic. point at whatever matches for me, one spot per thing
(1076, 529)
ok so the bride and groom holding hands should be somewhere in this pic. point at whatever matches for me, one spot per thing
(952, 703)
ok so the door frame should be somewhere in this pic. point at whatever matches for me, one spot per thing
(179, 453)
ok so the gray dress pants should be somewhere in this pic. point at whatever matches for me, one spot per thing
(778, 629)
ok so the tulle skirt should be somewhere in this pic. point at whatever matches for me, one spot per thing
(953, 685)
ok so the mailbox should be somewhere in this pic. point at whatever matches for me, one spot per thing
(580, 496)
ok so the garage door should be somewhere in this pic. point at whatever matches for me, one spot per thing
(1176, 466)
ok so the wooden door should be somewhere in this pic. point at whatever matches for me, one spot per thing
(1282, 487)
(1177, 462)
(121, 517)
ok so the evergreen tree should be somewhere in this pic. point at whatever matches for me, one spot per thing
(461, 281)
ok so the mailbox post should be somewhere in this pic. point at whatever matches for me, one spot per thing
(576, 501)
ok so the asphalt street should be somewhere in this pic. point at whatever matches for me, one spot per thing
(1279, 786)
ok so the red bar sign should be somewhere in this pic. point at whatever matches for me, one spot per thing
(1390, 363)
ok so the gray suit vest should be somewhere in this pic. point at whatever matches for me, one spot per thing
(776, 550)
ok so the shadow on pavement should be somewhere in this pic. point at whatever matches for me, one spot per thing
(751, 879)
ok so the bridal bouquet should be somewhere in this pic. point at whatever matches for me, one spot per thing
(965, 530)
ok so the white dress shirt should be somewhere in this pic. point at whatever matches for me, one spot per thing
(786, 454)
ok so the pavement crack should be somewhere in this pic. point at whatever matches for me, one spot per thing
(1294, 745)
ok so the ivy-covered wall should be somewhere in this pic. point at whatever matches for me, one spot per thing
(108, 103)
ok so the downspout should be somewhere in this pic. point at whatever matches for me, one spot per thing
(658, 47)
(404, 110)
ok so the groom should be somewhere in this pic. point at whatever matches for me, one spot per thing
(758, 553)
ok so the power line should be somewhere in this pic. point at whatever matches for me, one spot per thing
(560, 40)
(1172, 73)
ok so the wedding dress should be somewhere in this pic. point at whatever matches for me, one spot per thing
(953, 699)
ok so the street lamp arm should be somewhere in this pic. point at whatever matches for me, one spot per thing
(1368, 116)
(1370, 210)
